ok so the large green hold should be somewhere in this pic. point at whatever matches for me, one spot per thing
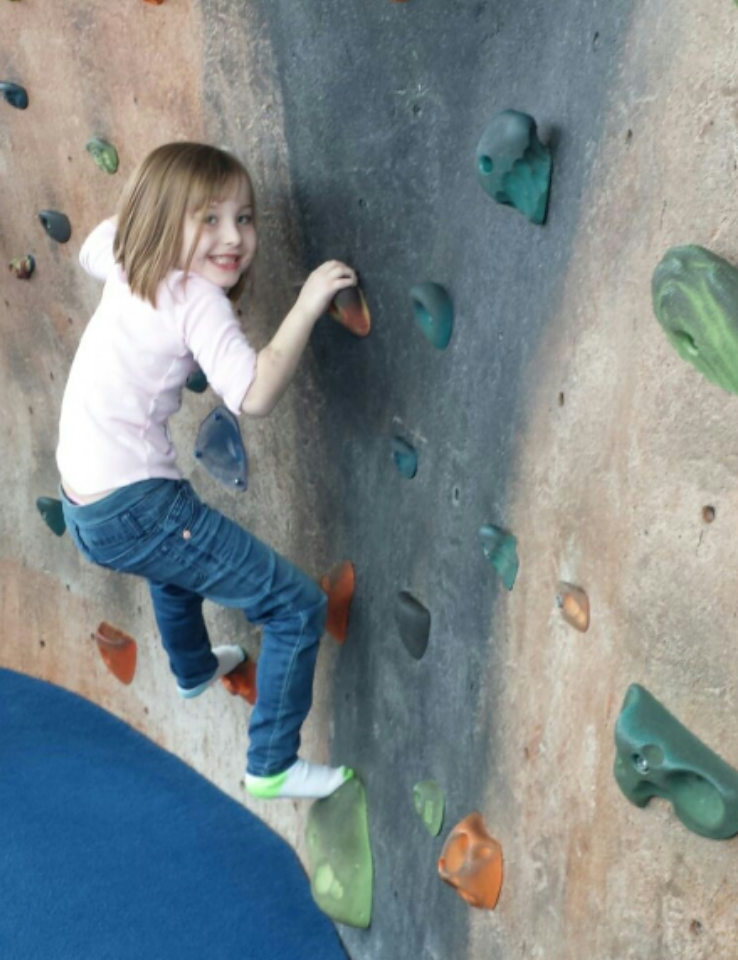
(658, 757)
(341, 871)
(695, 299)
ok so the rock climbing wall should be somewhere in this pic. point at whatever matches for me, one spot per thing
(557, 411)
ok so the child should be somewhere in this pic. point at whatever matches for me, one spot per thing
(173, 260)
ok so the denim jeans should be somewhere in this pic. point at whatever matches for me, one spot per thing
(161, 530)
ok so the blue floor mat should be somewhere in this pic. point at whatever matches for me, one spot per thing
(112, 849)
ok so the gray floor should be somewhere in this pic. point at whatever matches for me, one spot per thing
(385, 104)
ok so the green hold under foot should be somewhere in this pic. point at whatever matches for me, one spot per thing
(103, 153)
(53, 514)
(658, 757)
(695, 299)
(340, 858)
(430, 805)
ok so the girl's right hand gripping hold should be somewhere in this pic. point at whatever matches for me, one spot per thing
(277, 362)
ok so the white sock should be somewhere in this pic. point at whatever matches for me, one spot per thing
(228, 659)
(302, 781)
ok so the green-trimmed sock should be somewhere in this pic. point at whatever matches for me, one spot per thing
(303, 781)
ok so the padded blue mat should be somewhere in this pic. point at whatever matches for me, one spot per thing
(112, 849)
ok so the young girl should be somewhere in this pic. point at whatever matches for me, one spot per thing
(173, 261)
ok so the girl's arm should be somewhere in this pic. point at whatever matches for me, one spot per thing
(96, 255)
(277, 362)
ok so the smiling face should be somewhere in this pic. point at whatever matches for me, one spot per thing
(226, 244)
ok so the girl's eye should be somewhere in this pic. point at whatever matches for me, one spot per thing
(211, 219)
(245, 218)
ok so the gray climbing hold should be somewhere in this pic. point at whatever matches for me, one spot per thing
(14, 94)
(220, 449)
(414, 623)
(56, 224)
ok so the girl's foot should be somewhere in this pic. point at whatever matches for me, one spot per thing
(303, 781)
(228, 659)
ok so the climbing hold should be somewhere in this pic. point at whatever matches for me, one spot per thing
(13, 94)
(241, 682)
(339, 584)
(53, 514)
(154, 3)
(695, 299)
(658, 757)
(340, 857)
(197, 382)
(708, 514)
(118, 651)
(574, 605)
(23, 267)
(350, 308)
(513, 166)
(220, 449)
(434, 312)
(429, 805)
(471, 862)
(501, 549)
(414, 622)
(405, 457)
(103, 153)
(56, 225)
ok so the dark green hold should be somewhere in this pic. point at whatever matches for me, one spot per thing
(658, 757)
(513, 166)
(53, 515)
(103, 153)
(56, 224)
(13, 94)
(405, 457)
(197, 382)
(695, 299)
(434, 312)
(414, 623)
(501, 549)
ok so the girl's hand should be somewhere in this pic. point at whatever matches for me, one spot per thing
(322, 285)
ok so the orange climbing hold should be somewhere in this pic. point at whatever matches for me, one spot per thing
(339, 584)
(471, 862)
(241, 682)
(118, 651)
(350, 308)
(574, 605)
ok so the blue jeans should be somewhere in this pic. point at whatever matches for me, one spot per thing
(161, 530)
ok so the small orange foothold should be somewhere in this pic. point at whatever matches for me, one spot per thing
(154, 3)
(339, 584)
(471, 862)
(574, 605)
(118, 651)
(241, 682)
(350, 308)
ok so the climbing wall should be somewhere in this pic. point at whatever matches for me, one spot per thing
(515, 382)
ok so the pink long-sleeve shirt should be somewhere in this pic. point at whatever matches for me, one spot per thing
(131, 365)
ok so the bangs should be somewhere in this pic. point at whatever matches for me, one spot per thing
(215, 186)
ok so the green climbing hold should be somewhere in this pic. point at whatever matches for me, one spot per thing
(429, 805)
(501, 549)
(658, 757)
(14, 94)
(513, 166)
(56, 224)
(197, 382)
(103, 153)
(53, 514)
(695, 299)
(339, 855)
(434, 312)
(405, 457)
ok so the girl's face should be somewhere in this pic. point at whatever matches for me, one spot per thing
(227, 241)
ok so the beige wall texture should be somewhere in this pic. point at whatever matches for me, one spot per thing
(608, 487)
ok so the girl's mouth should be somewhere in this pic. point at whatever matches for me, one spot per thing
(227, 263)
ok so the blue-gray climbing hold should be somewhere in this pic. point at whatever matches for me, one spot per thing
(220, 449)
(13, 94)
(56, 224)
(513, 166)
(103, 153)
(434, 312)
(197, 382)
(501, 549)
(405, 457)
(53, 514)
(414, 623)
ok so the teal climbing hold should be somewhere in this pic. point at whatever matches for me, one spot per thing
(103, 153)
(220, 449)
(430, 804)
(52, 513)
(658, 757)
(197, 382)
(56, 224)
(405, 457)
(513, 166)
(23, 267)
(14, 94)
(434, 312)
(501, 549)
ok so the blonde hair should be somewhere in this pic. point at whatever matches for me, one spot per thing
(174, 180)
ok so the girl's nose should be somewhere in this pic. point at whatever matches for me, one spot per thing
(232, 234)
